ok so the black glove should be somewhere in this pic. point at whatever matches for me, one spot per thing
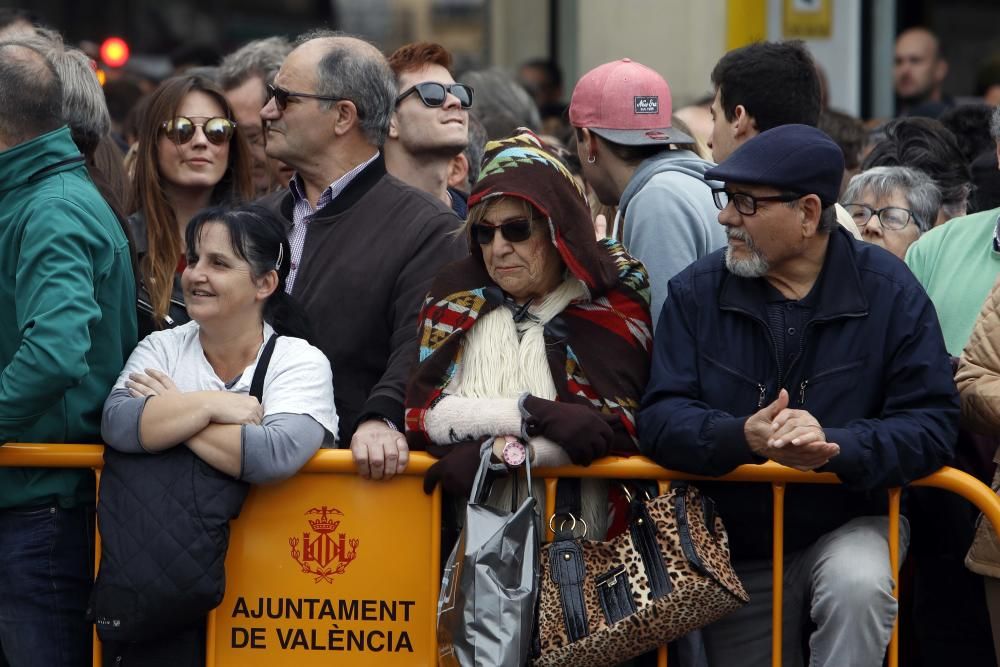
(456, 470)
(582, 431)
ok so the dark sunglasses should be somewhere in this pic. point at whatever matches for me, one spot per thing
(180, 130)
(433, 94)
(281, 96)
(515, 231)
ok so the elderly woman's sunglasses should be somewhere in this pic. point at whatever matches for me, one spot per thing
(434, 94)
(181, 130)
(515, 231)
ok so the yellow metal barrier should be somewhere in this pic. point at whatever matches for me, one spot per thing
(392, 548)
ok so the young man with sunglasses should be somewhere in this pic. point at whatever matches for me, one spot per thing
(430, 124)
(69, 301)
(798, 344)
(622, 112)
(365, 246)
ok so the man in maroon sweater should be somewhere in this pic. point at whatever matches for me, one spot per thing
(365, 246)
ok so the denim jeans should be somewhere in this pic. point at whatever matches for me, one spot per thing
(46, 571)
(842, 582)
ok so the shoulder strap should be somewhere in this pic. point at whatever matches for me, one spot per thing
(257, 384)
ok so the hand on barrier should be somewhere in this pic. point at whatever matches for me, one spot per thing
(455, 470)
(582, 431)
(379, 452)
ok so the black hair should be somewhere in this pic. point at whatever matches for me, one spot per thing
(776, 82)
(10, 16)
(847, 131)
(927, 145)
(258, 237)
(31, 96)
(552, 71)
(970, 123)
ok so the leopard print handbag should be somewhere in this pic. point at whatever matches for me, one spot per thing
(669, 573)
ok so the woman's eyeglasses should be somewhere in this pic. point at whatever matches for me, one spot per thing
(281, 96)
(515, 231)
(890, 217)
(434, 94)
(180, 130)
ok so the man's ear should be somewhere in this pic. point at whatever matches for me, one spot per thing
(811, 208)
(743, 125)
(346, 117)
(393, 126)
(587, 145)
(458, 172)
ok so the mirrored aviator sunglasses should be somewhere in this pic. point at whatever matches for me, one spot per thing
(514, 231)
(181, 130)
(433, 94)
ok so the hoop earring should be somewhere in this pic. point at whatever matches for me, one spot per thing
(592, 159)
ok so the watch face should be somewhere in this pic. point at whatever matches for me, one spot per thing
(513, 453)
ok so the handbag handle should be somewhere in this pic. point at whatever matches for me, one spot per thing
(480, 485)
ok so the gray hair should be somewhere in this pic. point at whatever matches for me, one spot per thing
(354, 69)
(917, 187)
(30, 94)
(261, 58)
(84, 107)
(995, 124)
(502, 105)
(475, 149)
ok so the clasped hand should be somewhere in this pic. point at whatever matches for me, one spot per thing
(793, 438)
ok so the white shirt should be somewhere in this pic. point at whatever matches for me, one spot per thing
(298, 380)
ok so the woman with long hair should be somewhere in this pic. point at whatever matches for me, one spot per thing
(189, 156)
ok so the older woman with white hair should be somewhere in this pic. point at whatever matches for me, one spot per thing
(892, 206)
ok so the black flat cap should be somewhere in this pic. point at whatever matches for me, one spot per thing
(793, 158)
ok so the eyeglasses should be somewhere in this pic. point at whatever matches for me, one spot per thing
(281, 96)
(891, 217)
(515, 231)
(434, 94)
(180, 130)
(746, 204)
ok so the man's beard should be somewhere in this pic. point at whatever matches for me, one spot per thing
(753, 266)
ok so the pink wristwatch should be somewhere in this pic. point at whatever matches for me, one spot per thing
(514, 451)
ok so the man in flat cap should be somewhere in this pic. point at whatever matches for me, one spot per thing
(798, 344)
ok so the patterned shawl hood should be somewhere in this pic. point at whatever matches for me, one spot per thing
(598, 348)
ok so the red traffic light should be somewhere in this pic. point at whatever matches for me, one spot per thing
(114, 52)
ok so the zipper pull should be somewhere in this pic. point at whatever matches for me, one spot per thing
(763, 395)
(802, 391)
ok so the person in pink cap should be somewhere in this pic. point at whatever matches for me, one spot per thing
(621, 112)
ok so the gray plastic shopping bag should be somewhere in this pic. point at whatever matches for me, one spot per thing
(486, 609)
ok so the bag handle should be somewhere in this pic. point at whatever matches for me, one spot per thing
(257, 384)
(481, 485)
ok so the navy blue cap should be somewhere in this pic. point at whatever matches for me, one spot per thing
(792, 158)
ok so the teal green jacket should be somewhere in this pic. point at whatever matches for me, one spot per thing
(67, 299)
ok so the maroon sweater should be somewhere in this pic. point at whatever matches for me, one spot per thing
(369, 258)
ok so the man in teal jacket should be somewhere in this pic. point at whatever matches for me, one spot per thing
(68, 302)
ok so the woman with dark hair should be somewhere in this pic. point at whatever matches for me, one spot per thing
(189, 156)
(234, 396)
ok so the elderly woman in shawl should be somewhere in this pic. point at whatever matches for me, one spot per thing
(540, 338)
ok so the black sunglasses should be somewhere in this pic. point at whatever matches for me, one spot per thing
(434, 94)
(515, 231)
(281, 96)
(180, 130)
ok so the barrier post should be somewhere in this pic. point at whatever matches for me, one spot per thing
(778, 572)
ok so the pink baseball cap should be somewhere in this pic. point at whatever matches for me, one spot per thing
(626, 103)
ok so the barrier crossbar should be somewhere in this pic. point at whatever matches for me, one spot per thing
(339, 462)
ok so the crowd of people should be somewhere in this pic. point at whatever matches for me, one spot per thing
(316, 244)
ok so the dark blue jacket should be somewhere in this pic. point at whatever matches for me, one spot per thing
(872, 369)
